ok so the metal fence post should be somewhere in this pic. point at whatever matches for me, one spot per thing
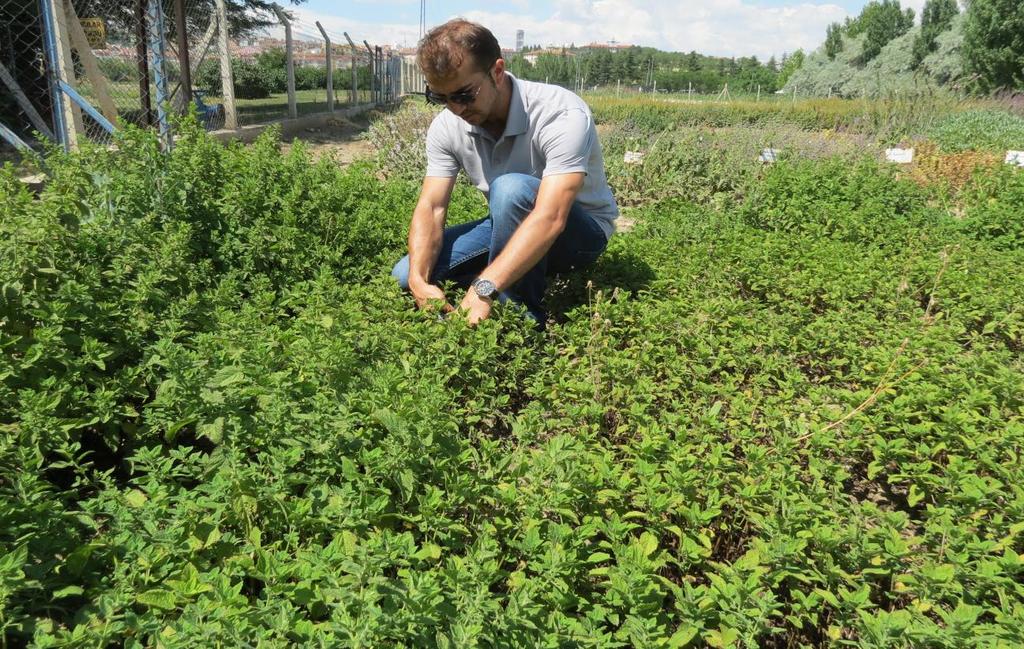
(289, 63)
(227, 76)
(373, 73)
(184, 65)
(381, 79)
(26, 106)
(67, 117)
(158, 60)
(330, 67)
(355, 73)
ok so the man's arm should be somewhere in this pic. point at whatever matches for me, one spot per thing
(531, 240)
(425, 236)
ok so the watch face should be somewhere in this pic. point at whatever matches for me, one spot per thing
(485, 288)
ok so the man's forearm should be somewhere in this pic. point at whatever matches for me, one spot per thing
(528, 245)
(425, 238)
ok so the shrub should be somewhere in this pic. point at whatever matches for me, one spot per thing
(862, 202)
(252, 81)
(994, 208)
(310, 77)
(994, 44)
(398, 137)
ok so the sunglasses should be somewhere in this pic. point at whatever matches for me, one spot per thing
(462, 97)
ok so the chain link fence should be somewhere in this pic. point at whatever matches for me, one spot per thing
(75, 70)
(25, 99)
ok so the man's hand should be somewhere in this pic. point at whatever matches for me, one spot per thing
(475, 307)
(429, 296)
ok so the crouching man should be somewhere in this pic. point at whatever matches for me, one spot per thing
(532, 149)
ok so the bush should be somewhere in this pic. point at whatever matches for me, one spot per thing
(863, 202)
(893, 70)
(994, 44)
(398, 138)
(310, 77)
(252, 80)
(993, 211)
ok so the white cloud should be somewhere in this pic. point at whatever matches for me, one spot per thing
(715, 27)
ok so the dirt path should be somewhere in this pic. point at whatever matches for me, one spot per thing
(340, 139)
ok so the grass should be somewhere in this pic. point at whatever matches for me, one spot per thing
(250, 111)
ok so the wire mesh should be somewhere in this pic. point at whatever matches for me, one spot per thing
(109, 44)
(25, 99)
(126, 60)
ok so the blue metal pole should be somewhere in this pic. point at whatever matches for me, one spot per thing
(87, 107)
(157, 54)
(46, 7)
(15, 141)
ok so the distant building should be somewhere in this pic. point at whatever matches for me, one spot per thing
(520, 37)
(610, 45)
(556, 51)
(408, 53)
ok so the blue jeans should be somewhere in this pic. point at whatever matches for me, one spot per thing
(467, 249)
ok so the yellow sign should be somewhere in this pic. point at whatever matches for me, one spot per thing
(95, 32)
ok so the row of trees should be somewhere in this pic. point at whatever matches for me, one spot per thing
(648, 67)
(994, 43)
(993, 38)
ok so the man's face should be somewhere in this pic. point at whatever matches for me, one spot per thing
(469, 82)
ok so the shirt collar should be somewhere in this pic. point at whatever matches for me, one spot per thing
(517, 122)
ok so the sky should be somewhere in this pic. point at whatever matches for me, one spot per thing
(762, 28)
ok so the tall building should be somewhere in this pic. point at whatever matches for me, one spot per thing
(520, 37)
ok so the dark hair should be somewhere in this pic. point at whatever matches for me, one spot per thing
(443, 49)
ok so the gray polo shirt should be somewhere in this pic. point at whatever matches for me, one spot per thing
(549, 131)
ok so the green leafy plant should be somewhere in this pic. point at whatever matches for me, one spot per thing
(791, 417)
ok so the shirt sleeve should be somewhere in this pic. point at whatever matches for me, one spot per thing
(441, 162)
(566, 142)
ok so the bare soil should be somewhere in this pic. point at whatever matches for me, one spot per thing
(340, 139)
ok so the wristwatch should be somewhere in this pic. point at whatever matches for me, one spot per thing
(485, 288)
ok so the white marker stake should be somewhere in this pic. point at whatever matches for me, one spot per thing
(633, 157)
(900, 156)
(1015, 158)
(768, 156)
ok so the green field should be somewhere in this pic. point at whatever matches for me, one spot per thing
(250, 111)
(785, 409)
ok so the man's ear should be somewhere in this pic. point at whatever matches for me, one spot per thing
(498, 71)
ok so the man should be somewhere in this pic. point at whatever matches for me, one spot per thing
(532, 149)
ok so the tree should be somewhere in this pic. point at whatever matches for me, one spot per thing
(880, 22)
(790, 64)
(935, 19)
(834, 40)
(245, 17)
(994, 43)
(519, 66)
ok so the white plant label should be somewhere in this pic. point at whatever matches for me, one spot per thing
(900, 156)
(1015, 158)
(633, 157)
(768, 156)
